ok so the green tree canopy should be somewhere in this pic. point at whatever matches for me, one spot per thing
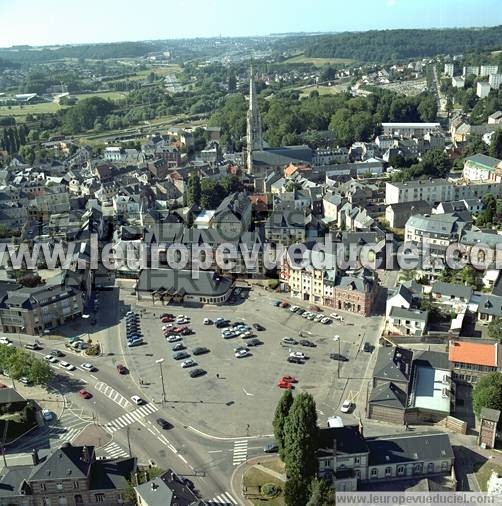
(281, 413)
(321, 494)
(487, 393)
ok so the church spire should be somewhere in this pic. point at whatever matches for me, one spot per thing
(253, 137)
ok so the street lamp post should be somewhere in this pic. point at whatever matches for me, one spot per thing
(337, 338)
(160, 361)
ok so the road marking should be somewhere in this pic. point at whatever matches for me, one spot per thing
(223, 499)
(112, 394)
(113, 450)
(130, 418)
(92, 376)
(183, 458)
(247, 393)
(215, 451)
(151, 431)
(240, 452)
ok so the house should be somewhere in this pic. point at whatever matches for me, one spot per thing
(397, 215)
(489, 307)
(286, 227)
(347, 459)
(409, 129)
(166, 490)
(480, 167)
(410, 322)
(67, 475)
(447, 293)
(472, 360)
(401, 297)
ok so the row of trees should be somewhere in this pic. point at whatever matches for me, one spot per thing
(435, 163)
(296, 434)
(13, 138)
(488, 394)
(19, 363)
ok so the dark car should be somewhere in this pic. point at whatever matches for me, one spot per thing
(56, 353)
(258, 327)
(367, 347)
(337, 356)
(186, 331)
(200, 350)
(178, 347)
(254, 341)
(238, 324)
(122, 369)
(300, 311)
(181, 355)
(271, 448)
(295, 360)
(306, 342)
(197, 372)
(223, 324)
(163, 423)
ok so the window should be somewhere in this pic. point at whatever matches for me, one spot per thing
(357, 460)
(75, 484)
(430, 467)
(417, 468)
(42, 486)
(444, 466)
(388, 471)
(374, 472)
(100, 497)
(400, 470)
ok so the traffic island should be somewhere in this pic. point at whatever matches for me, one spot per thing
(263, 482)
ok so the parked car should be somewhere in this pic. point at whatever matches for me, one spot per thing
(122, 369)
(222, 324)
(181, 355)
(258, 327)
(56, 353)
(51, 359)
(254, 341)
(289, 340)
(178, 347)
(188, 363)
(88, 367)
(200, 350)
(208, 321)
(295, 360)
(300, 311)
(285, 384)
(32, 346)
(241, 353)
(276, 303)
(137, 400)
(67, 366)
(240, 348)
(197, 372)
(4, 340)
(85, 394)
(346, 406)
(298, 354)
(24, 380)
(47, 415)
(173, 338)
(293, 309)
(307, 343)
(135, 342)
(291, 379)
(367, 347)
(163, 423)
(337, 356)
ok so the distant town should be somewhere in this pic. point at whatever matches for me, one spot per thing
(247, 271)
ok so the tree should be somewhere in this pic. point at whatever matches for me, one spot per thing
(496, 144)
(321, 494)
(487, 393)
(212, 193)
(232, 83)
(300, 437)
(231, 184)
(495, 329)
(30, 280)
(194, 190)
(40, 372)
(281, 412)
(296, 491)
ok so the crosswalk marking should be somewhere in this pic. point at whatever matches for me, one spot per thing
(224, 499)
(112, 394)
(128, 418)
(240, 452)
(114, 451)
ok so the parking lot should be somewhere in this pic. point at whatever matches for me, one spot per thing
(237, 396)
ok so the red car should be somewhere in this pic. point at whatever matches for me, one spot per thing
(166, 320)
(285, 384)
(122, 369)
(85, 394)
(166, 315)
(289, 379)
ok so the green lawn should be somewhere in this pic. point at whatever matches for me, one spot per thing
(255, 478)
(323, 90)
(109, 95)
(485, 471)
(20, 111)
(301, 58)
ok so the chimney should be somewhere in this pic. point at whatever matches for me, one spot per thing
(361, 428)
(85, 455)
(154, 486)
(34, 457)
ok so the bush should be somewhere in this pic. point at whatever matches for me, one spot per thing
(270, 490)
(93, 350)
(273, 283)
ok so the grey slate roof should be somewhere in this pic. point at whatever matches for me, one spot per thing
(208, 283)
(410, 314)
(449, 289)
(487, 161)
(444, 224)
(388, 395)
(425, 447)
(490, 304)
(435, 359)
(419, 206)
(8, 395)
(347, 440)
(490, 414)
(274, 157)
(393, 364)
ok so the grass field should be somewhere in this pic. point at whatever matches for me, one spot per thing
(323, 90)
(255, 478)
(301, 58)
(485, 471)
(108, 95)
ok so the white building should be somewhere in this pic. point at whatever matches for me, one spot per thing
(486, 70)
(482, 89)
(470, 70)
(458, 82)
(495, 80)
(409, 129)
(449, 69)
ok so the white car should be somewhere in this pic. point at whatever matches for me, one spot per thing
(188, 363)
(293, 308)
(174, 339)
(168, 326)
(319, 317)
(208, 321)
(297, 354)
(326, 321)
(51, 359)
(47, 415)
(137, 400)
(242, 353)
(88, 367)
(66, 365)
(346, 406)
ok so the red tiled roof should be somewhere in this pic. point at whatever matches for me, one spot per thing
(473, 353)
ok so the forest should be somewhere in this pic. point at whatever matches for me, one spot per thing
(391, 45)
